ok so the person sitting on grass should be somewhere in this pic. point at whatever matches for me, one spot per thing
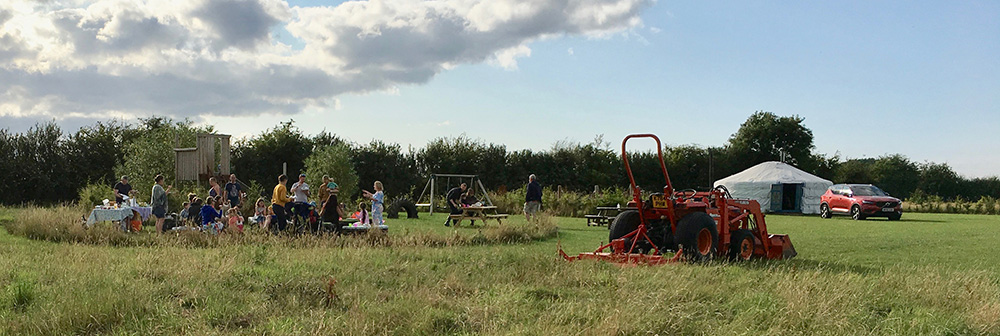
(185, 213)
(260, 212)
(209, 216)
(194, 215)
(235, 220)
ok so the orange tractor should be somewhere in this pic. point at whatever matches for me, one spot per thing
(698, 226)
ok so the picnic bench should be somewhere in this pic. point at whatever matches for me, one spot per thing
(346, 226)
(605, 215)
(473, 213)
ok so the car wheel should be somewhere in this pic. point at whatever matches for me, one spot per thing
(895, 217)
(824, 211)
(856, 213)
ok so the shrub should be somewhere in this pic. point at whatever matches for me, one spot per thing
(95, 194)
(335, 161)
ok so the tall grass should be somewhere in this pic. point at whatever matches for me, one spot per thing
(64, 224)
(986, 205)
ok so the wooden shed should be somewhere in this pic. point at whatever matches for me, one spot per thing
(201, 162)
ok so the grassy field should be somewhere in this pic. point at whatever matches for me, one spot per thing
(927, 274)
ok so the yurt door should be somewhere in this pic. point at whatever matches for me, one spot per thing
(776, 190)
(786, 197)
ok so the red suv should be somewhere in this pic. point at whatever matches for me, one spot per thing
(860, 201)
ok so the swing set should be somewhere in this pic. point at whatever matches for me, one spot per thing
(473, 181)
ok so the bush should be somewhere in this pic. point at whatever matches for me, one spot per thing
(95, 194)
(335, 161)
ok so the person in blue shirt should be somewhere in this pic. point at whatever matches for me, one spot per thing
(208, 212)
(532, 198)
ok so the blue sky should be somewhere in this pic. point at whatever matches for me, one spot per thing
(870, 77)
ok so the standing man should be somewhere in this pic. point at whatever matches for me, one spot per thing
(301, 191)
(122, 189)
(159, 202)
(454, 199)
(233, 192)
(533, 198)
(278, 201)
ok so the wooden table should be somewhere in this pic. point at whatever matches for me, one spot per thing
(605, 214)
(473, 213)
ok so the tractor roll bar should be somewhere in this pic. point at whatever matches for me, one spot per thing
(668, 190)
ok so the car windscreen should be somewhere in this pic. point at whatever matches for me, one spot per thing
(867, 191)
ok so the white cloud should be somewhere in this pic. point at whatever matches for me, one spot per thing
(569, 51)
(190, 58)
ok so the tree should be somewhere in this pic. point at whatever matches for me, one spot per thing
(378, 161)
(896, 174)
(939, 179)
(152, 152)
(94, 151)
(260, 158)
(335, 161)
(855, 171)
(764, 136)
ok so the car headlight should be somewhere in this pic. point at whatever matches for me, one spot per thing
(868, 202)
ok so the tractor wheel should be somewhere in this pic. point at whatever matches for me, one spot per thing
(741, 245)
(824, 211)
(856, 213)
(624, 223)
(698, 236)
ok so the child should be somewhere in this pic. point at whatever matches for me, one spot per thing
(235, 220)
(260, 212)
(210, 216)
(377, 203)
(361, 215)
(185, 213)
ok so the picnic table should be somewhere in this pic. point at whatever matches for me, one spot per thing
(473, 213)
(117, 215)
(347, 227)
(605, 214)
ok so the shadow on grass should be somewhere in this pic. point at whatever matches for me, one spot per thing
(883, 219)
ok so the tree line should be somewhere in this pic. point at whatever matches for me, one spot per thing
(46, 165)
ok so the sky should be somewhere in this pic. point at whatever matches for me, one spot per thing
(918, 78)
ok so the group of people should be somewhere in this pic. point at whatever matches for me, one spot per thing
(219, 211)
(221, 208)
(463, 196)
(331, 210)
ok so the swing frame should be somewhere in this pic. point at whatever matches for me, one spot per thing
(474, 182)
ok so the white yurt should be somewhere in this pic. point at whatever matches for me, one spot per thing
(779, 187)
